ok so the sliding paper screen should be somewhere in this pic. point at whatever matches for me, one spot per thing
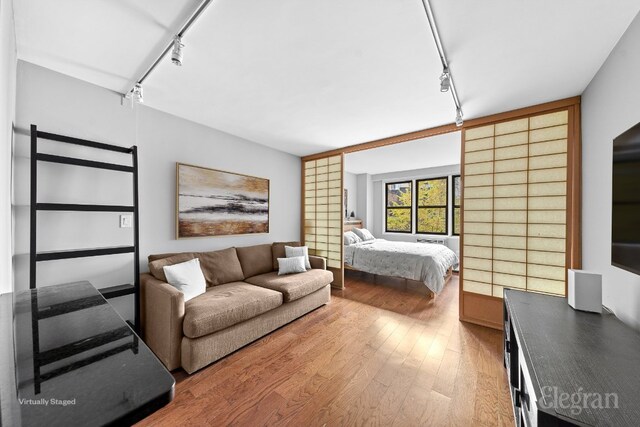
(322, 215)
(515, 209)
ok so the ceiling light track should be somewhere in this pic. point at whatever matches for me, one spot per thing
(175, 45)
(446, 78)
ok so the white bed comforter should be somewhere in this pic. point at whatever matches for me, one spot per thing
(423, 262)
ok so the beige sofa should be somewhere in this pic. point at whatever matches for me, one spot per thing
(245, 300)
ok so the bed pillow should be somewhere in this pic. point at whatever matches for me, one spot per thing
(187, 277)
(350, 238)
(291, 265)
(296, 251)
(364, 234)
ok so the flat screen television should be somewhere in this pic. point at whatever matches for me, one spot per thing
(625, 215)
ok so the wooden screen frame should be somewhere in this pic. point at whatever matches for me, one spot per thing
(486, 310)
(338, 273)
(488, 304)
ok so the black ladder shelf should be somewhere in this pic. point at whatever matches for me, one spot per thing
(36, 257)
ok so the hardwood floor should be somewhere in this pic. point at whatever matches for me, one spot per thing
(376, 355)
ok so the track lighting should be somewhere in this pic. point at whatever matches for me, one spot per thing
(459, 121)
(445, 81)
(176, 53)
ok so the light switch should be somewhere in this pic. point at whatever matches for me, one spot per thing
(126, 221)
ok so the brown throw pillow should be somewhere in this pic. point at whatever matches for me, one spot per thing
(278, 251)
(155, 267)
(220, 267)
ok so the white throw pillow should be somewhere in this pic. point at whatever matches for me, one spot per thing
(291, 265)
(186, 277)
(295, 251)
(351, 238)
(364, 234)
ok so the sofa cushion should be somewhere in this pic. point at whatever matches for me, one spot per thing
(226, 305)
(154, 257)
(255, 259)
(293, 286)
(278, 251)
(220, 267)
(156, 266)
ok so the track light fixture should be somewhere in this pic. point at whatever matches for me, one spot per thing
(176, 53)
(135, 94)
(174, 46)
(445, 81)
(459, 121)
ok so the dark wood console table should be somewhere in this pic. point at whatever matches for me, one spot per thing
(569, 367)
(79, 363)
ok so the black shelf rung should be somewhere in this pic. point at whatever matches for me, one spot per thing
(83, 208)
(82, 162)
(71, 349)
(117, 291)
(83, 142)
(82, 253)
(84, 362)
(69, 307)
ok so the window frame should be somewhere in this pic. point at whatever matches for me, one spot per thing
(387, 207)
(453, 203)
(445, 207)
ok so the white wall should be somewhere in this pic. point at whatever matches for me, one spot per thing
(7, 115)
(61, 104)
(610, 105)
(378, 210)
(351, 185)
(364, 204)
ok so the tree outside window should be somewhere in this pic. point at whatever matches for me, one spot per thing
(398, 207)
(456, 205)
(432, 206)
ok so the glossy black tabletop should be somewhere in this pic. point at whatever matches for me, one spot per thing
(79, 363)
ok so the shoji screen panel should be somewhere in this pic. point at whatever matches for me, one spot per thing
(516, 177)
(322, 212)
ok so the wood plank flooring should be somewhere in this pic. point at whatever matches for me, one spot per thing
(376, 355)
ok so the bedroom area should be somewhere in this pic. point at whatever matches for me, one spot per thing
(402, 213)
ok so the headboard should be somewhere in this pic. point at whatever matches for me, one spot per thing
(349, 225)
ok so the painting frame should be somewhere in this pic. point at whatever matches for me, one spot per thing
(182, 236)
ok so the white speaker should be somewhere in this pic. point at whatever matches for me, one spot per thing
(585, 291)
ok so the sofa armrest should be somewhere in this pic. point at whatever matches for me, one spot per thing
(163, 312)
(317, 262)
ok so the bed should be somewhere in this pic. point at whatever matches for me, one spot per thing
(428, 264)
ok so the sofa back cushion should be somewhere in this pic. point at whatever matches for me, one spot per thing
(155, 257)
(277, 248)
(255, 259)
(218, 267)
(156, 264)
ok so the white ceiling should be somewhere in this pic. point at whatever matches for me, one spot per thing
(106, 42)
(440, 150)
(304, 76)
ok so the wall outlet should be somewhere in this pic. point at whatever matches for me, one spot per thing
(126, 221)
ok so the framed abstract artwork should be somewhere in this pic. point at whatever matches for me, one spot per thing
(212, 202)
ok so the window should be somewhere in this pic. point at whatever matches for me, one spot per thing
(456, 205)
(432, 206)
(398, 207)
